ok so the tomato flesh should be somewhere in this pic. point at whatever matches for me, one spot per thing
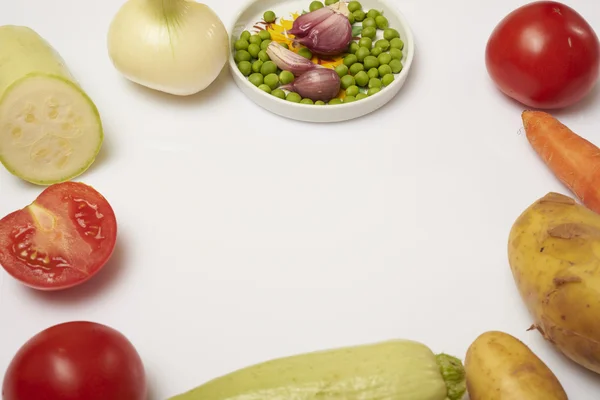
(544, 55)
(76, 361)
(61, 239)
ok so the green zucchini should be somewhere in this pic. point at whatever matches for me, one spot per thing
(390, 370)
(50, 130)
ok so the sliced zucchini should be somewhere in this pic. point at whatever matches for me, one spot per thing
(50, 130)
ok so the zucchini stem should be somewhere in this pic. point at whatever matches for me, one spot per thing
(453, 373)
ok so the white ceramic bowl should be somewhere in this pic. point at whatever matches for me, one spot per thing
(253, 12)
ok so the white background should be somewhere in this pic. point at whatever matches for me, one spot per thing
(245, 236)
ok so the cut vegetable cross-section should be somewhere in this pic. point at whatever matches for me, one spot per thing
(61, 239)
(50, 130)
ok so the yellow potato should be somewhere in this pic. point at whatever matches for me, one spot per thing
(501, 367)
(554, 255)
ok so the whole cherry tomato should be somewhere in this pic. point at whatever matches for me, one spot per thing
(544, 55)
(76, 361)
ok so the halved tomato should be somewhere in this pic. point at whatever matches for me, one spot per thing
(60, 240)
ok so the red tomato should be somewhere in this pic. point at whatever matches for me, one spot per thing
(76, 361)
(544, 55)
(61, 239)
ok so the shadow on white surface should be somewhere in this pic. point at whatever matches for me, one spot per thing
(103, 157)
(208, 95)
(587, 104)
(406, 89)
(92, 288)
(578, 369)
(151, 385)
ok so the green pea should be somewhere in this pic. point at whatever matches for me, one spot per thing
(369, 32)
(245, 36)
(362, 53)
(319, 103)
(286, 77)
(390, 33)
(376, 51)
(330, 2)
(285, 45)
(373, 13)
(256, 65)
(397, 43)
(382, 22)
(353, 48)
(341, 70)
(307, 101)
(264, 35)
(361, 96)
(265, 88)
(369, 23)
(382, 44)
(254, 49)
(362, 79)
(359, 15)
(255, 39)
(279, 94)
(269, 17)
(350, 59)
(264, 44)
(293, 97)
(269, 67)
(374, 83)
(351, 19)
(263, 56)
(245, 68)
(256, 79)
(241, 44)
(315, 5)
(396, 66)
(272, 80)
(384, 58)
(366, 42)
(349, 99)
(373, 73)
(373, 91)
(356, 68)
(304, 52)
(347, 81)
(371, 62)
(242, 55)
(396, 54)
(384, 70)
(352, 90)
(354, 6)
(387, 79)
(334, 102)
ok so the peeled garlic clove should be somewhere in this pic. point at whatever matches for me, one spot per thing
(319, 84)
(304, 23)
(330, 37)
(287, 60)
(341, 7)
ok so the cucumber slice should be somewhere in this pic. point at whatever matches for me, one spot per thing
(50, 130)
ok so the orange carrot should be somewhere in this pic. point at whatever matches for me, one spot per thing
(571, 158)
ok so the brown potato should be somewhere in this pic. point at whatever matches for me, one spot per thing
(554, 255)
(501, 367)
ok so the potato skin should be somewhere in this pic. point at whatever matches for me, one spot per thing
(554, 255)
(501, 367)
